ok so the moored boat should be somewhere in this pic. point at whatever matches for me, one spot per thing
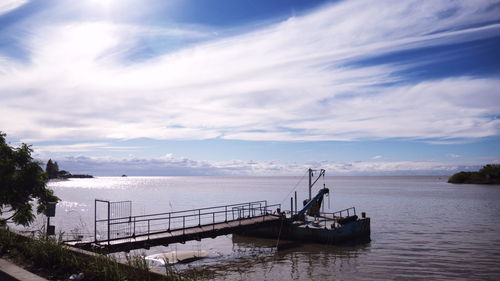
(311, 225)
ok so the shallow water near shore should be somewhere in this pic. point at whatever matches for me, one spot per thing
(422, 227)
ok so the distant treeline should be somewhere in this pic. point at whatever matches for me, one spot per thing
(52, 170)
(489, 174)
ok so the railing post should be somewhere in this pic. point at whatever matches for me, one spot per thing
(225, 213)
(95, 221)
(213, 221)
(109, 214)
(183, 225)
(169, 221)
(199, 217)
(148, 228)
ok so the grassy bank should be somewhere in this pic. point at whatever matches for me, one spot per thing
(55, 261)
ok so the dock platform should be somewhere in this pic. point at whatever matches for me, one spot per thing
(125, 233)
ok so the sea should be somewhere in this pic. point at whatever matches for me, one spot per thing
(422, 228)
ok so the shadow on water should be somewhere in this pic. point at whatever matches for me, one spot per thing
(268, 259)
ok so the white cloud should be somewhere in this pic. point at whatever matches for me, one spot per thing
(171, 166)
(81, 147)
(9, 5)
(289, 81)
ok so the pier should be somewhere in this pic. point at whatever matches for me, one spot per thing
(116, 230)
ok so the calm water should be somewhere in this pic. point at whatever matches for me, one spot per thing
(422, 227)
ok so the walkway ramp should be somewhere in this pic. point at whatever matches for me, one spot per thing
(116, 233)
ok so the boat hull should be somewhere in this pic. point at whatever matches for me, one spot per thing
(358, 230)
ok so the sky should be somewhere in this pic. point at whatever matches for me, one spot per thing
(224, 87)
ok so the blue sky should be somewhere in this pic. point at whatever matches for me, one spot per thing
(226, 87)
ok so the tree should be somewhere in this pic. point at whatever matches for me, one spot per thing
(22, 181)
(56, 168)
(52, 169)
(489, 174)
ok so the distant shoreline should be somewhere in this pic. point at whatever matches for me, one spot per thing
(76, 176)
(489, 174)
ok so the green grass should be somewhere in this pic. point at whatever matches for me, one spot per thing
(54, 260)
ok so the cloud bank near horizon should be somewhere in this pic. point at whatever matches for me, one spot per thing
(172, 166)
(303, 79)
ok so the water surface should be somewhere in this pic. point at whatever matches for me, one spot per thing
(422, 227)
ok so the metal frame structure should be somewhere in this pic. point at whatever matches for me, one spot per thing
(146, 225)
(114, 210)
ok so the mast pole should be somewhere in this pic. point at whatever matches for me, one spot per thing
(310, 185)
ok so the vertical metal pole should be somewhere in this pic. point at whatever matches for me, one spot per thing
(310, 187)
(213, 220)
(183, 225)
(225, 213)
(199, 217)
(109, 213)
(291, 205)
(130, 215)
(296, 210)
(169, 221)
(48, 224)
(95, 221)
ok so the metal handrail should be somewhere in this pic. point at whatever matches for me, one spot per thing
(196, 212)
(249, 208)
(342, 211)
(192, 210)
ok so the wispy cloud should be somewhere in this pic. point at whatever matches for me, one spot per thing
(9, 5)
(295, 80)
(81, 147)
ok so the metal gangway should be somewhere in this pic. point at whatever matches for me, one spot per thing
(116, 229)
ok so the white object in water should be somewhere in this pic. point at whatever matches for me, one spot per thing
(175, 257)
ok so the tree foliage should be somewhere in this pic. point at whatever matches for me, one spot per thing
(489, 174)
(22, 181)
(52, 169)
